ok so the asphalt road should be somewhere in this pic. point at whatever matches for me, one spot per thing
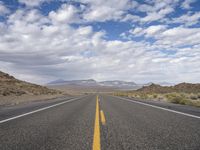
(106, 123)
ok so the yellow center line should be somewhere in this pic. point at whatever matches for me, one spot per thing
(103, 120)
(96, 138)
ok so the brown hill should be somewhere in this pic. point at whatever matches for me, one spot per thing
(154, 88)
(187, 88)
(182, 87)
(9, 86)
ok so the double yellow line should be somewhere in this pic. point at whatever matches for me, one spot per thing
(96, 138)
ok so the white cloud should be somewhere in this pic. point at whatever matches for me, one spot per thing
(102, 14)
(165, 11)
(180, 36)
(186, 4)
(41, 48)
(137, 31)
(188, 19)
(153, 16)
(152, 30)
(33, 3)
(129, 17)
(65, 14)
(106, 10)
(3, 9)
(157, 10)
(169, 38)
(148, 32)
(85, 30)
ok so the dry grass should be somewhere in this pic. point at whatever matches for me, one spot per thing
(183, 93)
(183, 98)
(192, 99)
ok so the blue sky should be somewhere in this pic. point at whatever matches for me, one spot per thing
(140, 41)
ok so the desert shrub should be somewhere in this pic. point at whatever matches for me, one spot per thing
(177, 98)
(160, 97)
(143, 96)
(194, 97)
(134, 95)
(196, 103)
(155, 95)
(130, 95)
(121, 94)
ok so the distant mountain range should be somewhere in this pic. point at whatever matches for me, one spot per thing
(114, 84)
(91, 82)
(117, 83)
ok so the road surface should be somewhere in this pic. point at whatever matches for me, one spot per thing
(99, 123)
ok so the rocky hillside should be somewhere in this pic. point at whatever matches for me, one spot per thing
(9, 86)
(187, 88)
(182, 87)
(183, 93)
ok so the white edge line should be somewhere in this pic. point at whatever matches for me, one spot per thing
(38, 110)
(170, 110)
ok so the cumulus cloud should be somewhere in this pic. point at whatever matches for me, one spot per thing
(137, 31)
(156, 10)
(106, 10)
(188, 19)
(151, 31)
(180, 36)
(66, 44)
(32, 3)
(157, 15)
(186, 4)
(3, 9)
(65, 14)
(169, 37)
